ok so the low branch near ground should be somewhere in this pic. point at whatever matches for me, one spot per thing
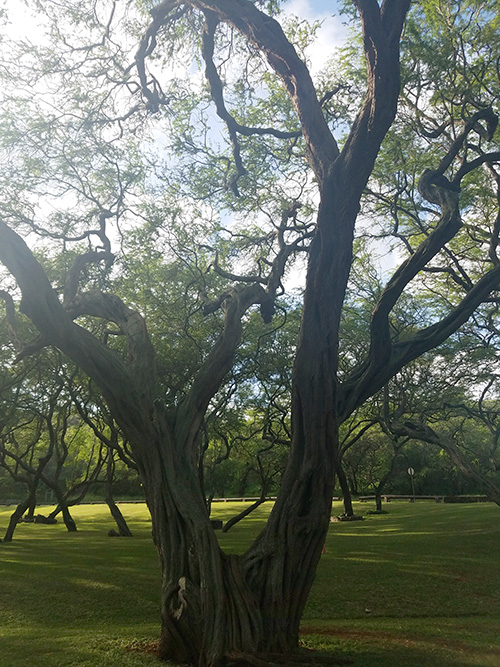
(425, 433)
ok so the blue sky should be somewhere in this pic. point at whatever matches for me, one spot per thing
(322, 7)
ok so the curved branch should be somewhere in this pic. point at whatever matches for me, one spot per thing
(381, 34)
(266, 34)
(160, 14)
(483, 114)
(232, 276)
(363, 382)
(380, 351)
(111, 308)
(218, 362)
(207, 51)
(485, 158)
(41, 304)
(216, 89)
(425, 433)
(384, 358)
(73, 278)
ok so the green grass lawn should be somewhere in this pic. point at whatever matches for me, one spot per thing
(417, 587)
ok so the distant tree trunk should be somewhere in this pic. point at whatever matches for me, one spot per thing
(63, 508)
(30, 514)
(378, 493)
(346, 491)
(248, 510)
(385, 478)
(242, 482)
(208, 503)
(123, 529)
(16, 517)
(29, 503)
(69, 522)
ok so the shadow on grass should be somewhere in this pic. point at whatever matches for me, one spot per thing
(69, 650)
(85, 579)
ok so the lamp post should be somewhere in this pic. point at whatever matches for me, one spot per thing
(411, 472)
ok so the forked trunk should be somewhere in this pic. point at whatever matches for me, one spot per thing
(213, 605)
(216, 606)
(63, 508)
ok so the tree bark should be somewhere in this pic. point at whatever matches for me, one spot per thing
(121, 523)
(385, 478)
(206, 606)
(381, 486)
(32, 507)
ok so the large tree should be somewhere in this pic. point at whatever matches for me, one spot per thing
(283, 168)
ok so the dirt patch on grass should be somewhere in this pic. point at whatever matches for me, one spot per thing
(374, 635)
(150, 647)
(360, 635)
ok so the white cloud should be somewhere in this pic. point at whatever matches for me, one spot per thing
(331, 34)
(22, 23)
